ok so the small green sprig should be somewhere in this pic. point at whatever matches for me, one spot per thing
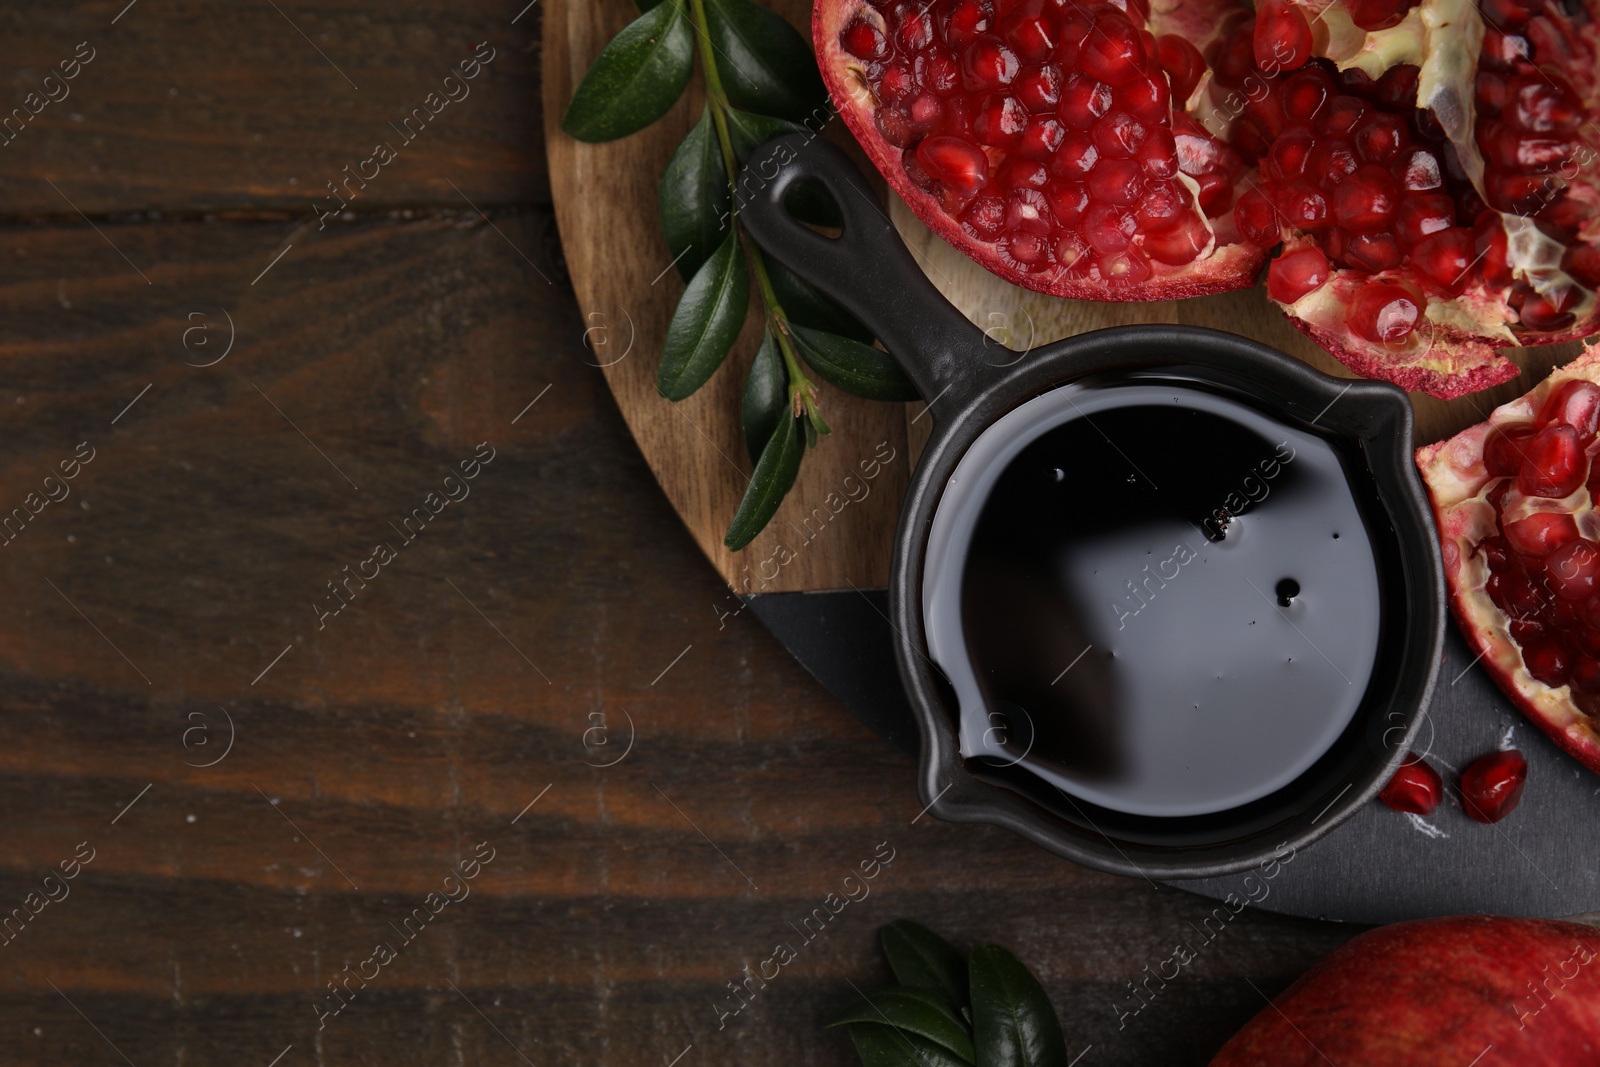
(761, 81)
(986, 1011)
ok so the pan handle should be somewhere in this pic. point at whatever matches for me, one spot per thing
(867, 268)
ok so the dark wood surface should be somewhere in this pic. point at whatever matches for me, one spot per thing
(381, 748)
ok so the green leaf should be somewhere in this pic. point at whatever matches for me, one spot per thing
(766, 396)
(694, 198)
(636, 78)
(808, 306)
(1013, 1022)
(858, 369)
(916, 1011)
(884, 1046)
(765, 64)
(921, 958)
(774, 474)
(706, 323)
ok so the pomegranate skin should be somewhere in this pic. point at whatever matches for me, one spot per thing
(1483, 990)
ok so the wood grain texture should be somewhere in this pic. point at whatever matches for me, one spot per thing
(383, 746)
(173, 592)
(606, 204)
(191, 106)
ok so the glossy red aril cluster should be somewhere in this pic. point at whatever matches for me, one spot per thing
(1492, 785)
(1047, 134)
(1416, 788)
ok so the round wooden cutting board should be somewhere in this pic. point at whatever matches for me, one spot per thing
(606, 207)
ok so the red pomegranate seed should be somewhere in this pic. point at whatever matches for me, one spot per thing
(1116, 181)
(864, 40)
(1068, 201)
(1159, 154)
(1541, 533)
(1039, 89)
(1504, 450)
(1146, 98)
(1444, 257)
(1304, 206)
(1542, 104)
(1548, 662)
(1290, 152)
(1119, 135)
(1576, 404)
(1398, 86)
(1114, 53)
(1416, 787)
(988, 64)
(1547, 312)
(1492, 785)
(1417, 171)
(1585, 674)
(1000, 121)
(1257, 219)
(1180, 244)
(1342, 116)
(1365, 201)
(1107, 228)
(1331, 161)
(1029, 35)
(1385, 312)
(1304, 94)
(1516, 595)
(1083, 100)
(1419, 216)
(1040, 138)
(985, 218)
(1183, 63)
(1282, 37)
(1162, 207)
(1294, 274)
(1025, 174)
(1573, 570)
(968, 20)
(1553, 463)
(961, 167)
(1378, 14)
(1076, 157)
(1124, 268)
(1373, 252)
(1379, 138)
(1216, 193)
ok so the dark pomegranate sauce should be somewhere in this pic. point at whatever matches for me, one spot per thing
(1152, 596)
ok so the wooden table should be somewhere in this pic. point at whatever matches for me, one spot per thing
(269, 788)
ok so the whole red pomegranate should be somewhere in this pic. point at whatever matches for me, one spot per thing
(1475, 990)
(1431, 170)
(1515, 499)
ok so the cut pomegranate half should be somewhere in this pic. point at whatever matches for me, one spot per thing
(1515, 498)
(1441, 162)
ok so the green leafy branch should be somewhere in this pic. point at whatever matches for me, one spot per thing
(761, 82)
(987, 1011)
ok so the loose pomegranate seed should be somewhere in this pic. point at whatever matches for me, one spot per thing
(1541, 533)
(1573, 570)
(1416, 787)
(1365, 202)
(1553, 463)
(1385, 312)
(961, 167)
(1503, 451)
(1492, 785)
(1575, 403)
(1296, 273)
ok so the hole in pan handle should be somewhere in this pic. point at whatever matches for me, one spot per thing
(867, 268)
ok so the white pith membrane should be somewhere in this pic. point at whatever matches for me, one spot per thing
(1459, 483)
(1452, 349)
(1444, 39)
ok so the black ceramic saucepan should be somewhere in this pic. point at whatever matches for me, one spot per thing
(1167, 601)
